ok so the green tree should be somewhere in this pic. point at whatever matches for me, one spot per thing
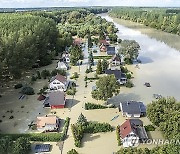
(99, 67)
(90, 58)
(104, 65)
(75, 54)
(21, 146)
(90, 44)
(107, 86)
(82, 120)
(6, 145)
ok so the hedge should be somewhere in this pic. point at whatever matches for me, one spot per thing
(118, 136)
(91, 106)
(44, 137)
(102, 57)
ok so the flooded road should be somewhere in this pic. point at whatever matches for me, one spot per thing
(160, 67)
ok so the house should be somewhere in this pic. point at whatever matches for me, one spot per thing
(116, 60)
(39, 148)
(103, 48)
(103, 42)
(133, 109)
(66, 57)
(111, 50)
(62, 65)
(58, 82)
(47, 123)
(41, 97)
(132, 132)
(77, 41)
(120, 77)
(55, 100)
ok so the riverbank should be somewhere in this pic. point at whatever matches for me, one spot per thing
(171, 40)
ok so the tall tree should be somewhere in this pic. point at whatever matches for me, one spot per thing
(107, 86)
(99, 67)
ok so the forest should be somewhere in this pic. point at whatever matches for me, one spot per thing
(34, 38)
(167, 20)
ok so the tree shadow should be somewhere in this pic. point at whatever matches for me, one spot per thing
(89, 138)
(71, 102)
(122, 98)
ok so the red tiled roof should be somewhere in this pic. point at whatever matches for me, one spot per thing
(103, 42)
(126, 128)
(59, 77)
(42, 121)
(41, 97)
(116, 58)
(77, 41)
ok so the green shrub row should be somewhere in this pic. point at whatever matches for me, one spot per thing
(82, 126)
(65, 129)
(43, 137)
(91, 106)
(118, 136)
(95, 127)
(102, 57)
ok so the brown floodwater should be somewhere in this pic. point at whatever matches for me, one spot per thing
(160, 62)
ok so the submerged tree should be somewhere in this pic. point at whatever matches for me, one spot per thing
(107, 86)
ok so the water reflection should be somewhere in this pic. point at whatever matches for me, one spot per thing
(160, 66)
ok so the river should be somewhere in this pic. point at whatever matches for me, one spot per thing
(160, 66)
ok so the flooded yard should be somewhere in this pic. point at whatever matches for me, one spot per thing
(160, 65)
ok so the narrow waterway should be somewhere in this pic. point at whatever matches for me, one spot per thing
(160, 67)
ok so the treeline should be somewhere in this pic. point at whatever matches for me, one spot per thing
(24, 40)
(167, 20)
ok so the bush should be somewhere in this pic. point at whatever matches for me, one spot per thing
(65, 129)
(129, 84)
(94, 51)
(75, 76)
(27, 91)
(71, 91)
(38, 75)
(45, 73)
(124, 69)
(72, 151)
(149, 128)
(129, 76)
(87, 71)
(91, 106)
(17, 86)
(33, 78)
(85, 78)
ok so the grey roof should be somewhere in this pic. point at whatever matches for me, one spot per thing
(111, 50)
(42, 148)
(56, 98)
(141, 132)
(136, 122)
(117, 73)
(133, 107)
